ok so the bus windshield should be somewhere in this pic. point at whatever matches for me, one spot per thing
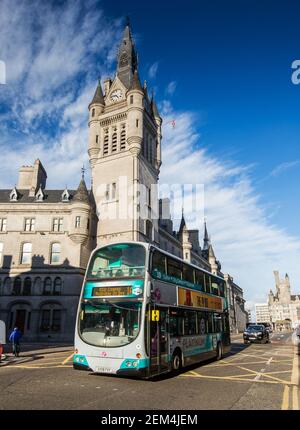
(119, 261)
(109, 324)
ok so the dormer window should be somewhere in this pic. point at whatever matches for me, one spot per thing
(65, 197)
(39, 195)
(13, 197)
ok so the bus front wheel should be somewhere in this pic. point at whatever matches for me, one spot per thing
(176, 361)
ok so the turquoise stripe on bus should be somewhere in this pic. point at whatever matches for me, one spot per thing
(135, 283)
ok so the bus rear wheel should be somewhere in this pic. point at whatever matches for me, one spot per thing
(176, 361)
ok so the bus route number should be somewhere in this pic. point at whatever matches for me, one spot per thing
(155, 316)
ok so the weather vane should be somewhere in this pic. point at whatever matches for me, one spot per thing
(83, 171)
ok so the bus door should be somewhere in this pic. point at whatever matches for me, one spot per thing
(159, 340)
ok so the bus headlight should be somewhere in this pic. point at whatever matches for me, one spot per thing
(135, 363)
(128, 363)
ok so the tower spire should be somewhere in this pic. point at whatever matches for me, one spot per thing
(126, 57)
(206, 241)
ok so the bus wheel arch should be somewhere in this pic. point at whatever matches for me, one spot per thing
(176, 362)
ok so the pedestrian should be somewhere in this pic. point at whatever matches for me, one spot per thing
(15, 339)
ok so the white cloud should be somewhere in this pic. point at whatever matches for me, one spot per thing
(283, 167)
(54, 55)
(153, 70)
(248, 245)
(171, 87)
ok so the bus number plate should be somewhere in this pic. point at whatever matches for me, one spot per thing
(111, 291)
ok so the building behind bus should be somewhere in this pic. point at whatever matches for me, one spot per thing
(47, 235)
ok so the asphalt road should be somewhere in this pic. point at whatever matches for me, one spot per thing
(251, 377)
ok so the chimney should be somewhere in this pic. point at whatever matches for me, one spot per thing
(32, 177)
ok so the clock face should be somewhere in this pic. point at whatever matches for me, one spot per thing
(116, 95)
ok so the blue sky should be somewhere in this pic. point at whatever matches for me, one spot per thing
(221, 69)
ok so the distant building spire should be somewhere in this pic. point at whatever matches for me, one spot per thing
(126, 57)
(206, 241)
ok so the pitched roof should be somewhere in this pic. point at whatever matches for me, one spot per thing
(50, 196)
(135, 84)
(82, 194)
(98, 96)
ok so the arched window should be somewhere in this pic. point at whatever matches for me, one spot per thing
(114, 142)
(37, 287)
(7, 286)
(55, 253)
(93, 112)
(26, 253)
(17, 286)
(57, 287)
(123, 140)
(27, 286)
(47, 286)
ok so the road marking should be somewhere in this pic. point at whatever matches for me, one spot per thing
(295, 399)
(232, 378)
(285, 399)
(68, 358)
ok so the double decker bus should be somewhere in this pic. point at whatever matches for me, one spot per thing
(144, 312)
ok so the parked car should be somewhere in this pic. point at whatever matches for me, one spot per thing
(256, 333)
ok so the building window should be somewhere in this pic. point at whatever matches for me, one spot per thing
(17, 287)
(26, 253)
(105, 144)
(27, 287)
(57, 224)
(56, 320)
(47, 286)
(77, 222)
(111, 191)
(29, 224)
(46, 318)
(137, 122)
(97, 138)
(149, 229)
(123, 139)
(93, 112)
(3, 222)
(57, 287)
(131, 100)
(114, 142)
(51, 320)
(55, 253)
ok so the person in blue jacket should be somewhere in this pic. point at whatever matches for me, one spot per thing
(15, 339)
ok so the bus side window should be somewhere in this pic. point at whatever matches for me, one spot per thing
(174, 268)
(207, 283)
(199, 279)
(158, 264)
(215, 286)
(210, 323)
(190, 323)
(202, 323)
(188, 274)
(176, 323)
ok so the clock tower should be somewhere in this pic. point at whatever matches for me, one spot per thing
(125, 153)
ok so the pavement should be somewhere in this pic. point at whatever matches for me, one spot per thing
(250, 377)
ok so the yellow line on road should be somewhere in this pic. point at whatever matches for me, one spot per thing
(68, 358)
(285, 399)
(230, 378)
(295, 399)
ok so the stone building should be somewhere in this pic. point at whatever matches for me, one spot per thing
(284, 307)
(46, 236)
(262, 313)
(238, 316)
